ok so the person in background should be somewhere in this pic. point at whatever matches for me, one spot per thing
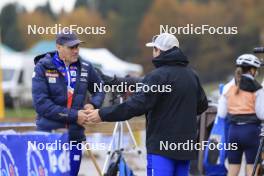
(170, 116)
(59, 87)
(242, 103)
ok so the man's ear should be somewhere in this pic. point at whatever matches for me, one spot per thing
(157, 50)
(58, 47)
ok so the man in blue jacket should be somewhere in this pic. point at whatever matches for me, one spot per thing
(59, 87)
(170, 116)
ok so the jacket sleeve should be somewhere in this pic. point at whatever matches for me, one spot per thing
(98, 96)
(118, 80)
(139, 103)
(259, 104)
(114, 80)
(202, 102)
(222, 109)
(43, 103)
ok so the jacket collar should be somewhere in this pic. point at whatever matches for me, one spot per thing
(173, 56)
(46, 59)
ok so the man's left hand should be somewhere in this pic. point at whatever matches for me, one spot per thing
(94, 116)
(88, 107)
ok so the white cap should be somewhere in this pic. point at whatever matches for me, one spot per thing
(164, 41)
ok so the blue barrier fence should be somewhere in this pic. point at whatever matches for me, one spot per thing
(34, 154)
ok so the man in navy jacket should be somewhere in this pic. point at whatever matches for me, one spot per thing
(59, 87)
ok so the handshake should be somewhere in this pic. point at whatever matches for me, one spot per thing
(88, 115)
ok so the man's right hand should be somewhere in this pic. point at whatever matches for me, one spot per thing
(82, 118)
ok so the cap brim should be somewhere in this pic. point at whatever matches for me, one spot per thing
(150, 44)
(73, 43)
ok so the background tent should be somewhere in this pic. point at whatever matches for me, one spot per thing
(102, 58)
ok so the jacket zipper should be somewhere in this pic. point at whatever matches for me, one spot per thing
(68, 86)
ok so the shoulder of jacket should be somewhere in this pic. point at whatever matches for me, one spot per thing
(260, 92)
(228, 85)
(43, 58)
(156, 72)
(84, 63)
(44, 63)
(155, 75)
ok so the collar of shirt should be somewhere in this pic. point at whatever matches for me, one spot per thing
(248, 75)
(69, 73)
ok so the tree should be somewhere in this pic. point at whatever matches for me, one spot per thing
(46, 9)
(36, 20)
(124, 19)
(9, 28)
(81, 3)
(90, 21)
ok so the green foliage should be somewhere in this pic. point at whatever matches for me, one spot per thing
(46, 9)
(9, 28)
(81, 3)
(127, 17)
(21, 113)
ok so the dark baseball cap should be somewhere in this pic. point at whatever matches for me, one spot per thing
(67, 38)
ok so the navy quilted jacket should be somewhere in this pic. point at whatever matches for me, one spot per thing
(49, 91)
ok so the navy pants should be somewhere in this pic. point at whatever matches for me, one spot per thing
(163, 166)
(75, 160)
(247, 138)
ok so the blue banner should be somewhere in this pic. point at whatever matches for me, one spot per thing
(214, 160)
(34, 154)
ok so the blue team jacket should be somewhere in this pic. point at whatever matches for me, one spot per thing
(49, 92)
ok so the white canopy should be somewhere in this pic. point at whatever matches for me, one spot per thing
(109, 63)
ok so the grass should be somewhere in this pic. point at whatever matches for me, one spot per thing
(209, 87)
(27, 113)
